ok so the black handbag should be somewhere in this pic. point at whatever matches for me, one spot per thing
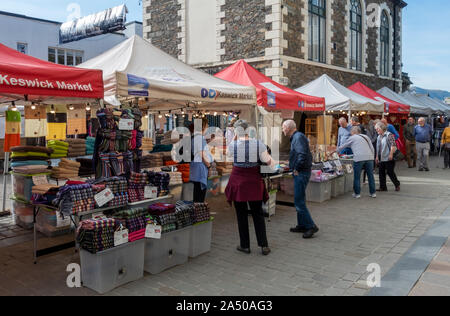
(398, 155)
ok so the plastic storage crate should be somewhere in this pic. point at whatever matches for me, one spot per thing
(47, 224)
(177, 192)
(271, 205)
(349, 178)
(22, 185)
(338, 186)
(169, 251)
(106, 270)
(200, 239)
(23, 214)
(213, 186)
(188, 192)
(318, 192)
(224, 182)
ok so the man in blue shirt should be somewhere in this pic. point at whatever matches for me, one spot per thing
(300, 162)
(423, 133)
(344, 135)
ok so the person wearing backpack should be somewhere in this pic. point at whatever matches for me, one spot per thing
(363, 153)
(386, 147)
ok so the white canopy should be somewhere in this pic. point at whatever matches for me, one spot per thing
(425, 101)
(339, 98)
(416, 108)
(136, 68)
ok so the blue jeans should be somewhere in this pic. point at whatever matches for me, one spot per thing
(357, 169)
(303, 216)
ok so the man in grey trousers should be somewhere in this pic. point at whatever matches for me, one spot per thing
(423, 133)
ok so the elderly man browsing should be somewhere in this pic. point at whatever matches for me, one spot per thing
(423, 133)
(300, 162)
(343, 135)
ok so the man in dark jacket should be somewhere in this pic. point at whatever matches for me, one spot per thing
(300, 162)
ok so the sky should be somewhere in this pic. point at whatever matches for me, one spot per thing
(426, 31)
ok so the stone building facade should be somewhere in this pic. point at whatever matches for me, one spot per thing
(273, 36)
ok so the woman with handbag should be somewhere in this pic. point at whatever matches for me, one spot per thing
(386, 148)
(446, 146)
(246, 187)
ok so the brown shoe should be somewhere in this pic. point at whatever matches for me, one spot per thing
(397, 189)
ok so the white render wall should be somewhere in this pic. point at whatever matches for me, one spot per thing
(41, 35)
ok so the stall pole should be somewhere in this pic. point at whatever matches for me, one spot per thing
(325, 128)
(5, 175)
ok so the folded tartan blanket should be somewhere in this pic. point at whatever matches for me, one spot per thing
(58, 143)
(30, 162)
(31, 169)
(29, 154)
(24, 149)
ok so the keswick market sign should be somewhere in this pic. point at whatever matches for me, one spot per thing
(6, 80)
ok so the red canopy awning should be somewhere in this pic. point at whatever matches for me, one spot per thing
(21, 75)
(270, 94)
(390, 106)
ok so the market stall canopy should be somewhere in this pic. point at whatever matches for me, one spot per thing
(270, 94)
(416, 108)
(425, 101)
(136, 68)
(390, 106)
(339, 98)
(22, 75)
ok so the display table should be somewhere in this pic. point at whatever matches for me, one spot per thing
(76, 219)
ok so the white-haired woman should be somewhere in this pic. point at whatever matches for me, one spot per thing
(246, 187)
(386, 148)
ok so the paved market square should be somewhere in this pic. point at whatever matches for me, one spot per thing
(353, 234)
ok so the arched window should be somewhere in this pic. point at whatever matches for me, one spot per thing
(384, 48)
(356, 35)
(317, 31)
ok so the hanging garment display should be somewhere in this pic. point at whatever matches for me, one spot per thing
(12, 129)
(35, 121)
(76, 120)
(56, 122)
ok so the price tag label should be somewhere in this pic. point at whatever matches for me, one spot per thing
(338, 163)
(150, 192)
(37, 180)
(153, 231)
(126, 124)
(120, 237)
(104, 197)
(60, 222)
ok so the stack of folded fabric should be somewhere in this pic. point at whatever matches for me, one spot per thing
(224, 168)
(201, 212)
(77, 147)
(152, 161)
(185, 170)
(90, 143)
(119, 187)
(136, 187)
(60, 148)
(67, 169)
(86, 167)
(184, 213)
(162, 148)
(147, 145)
(160, 180)
(30, 159)
(176, 178)
(135, 220)
(167, 139)
(164, 215)
(44, 193)
(96, 235)
(75, 197)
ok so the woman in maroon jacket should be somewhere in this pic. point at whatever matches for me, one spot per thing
(246, 186)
